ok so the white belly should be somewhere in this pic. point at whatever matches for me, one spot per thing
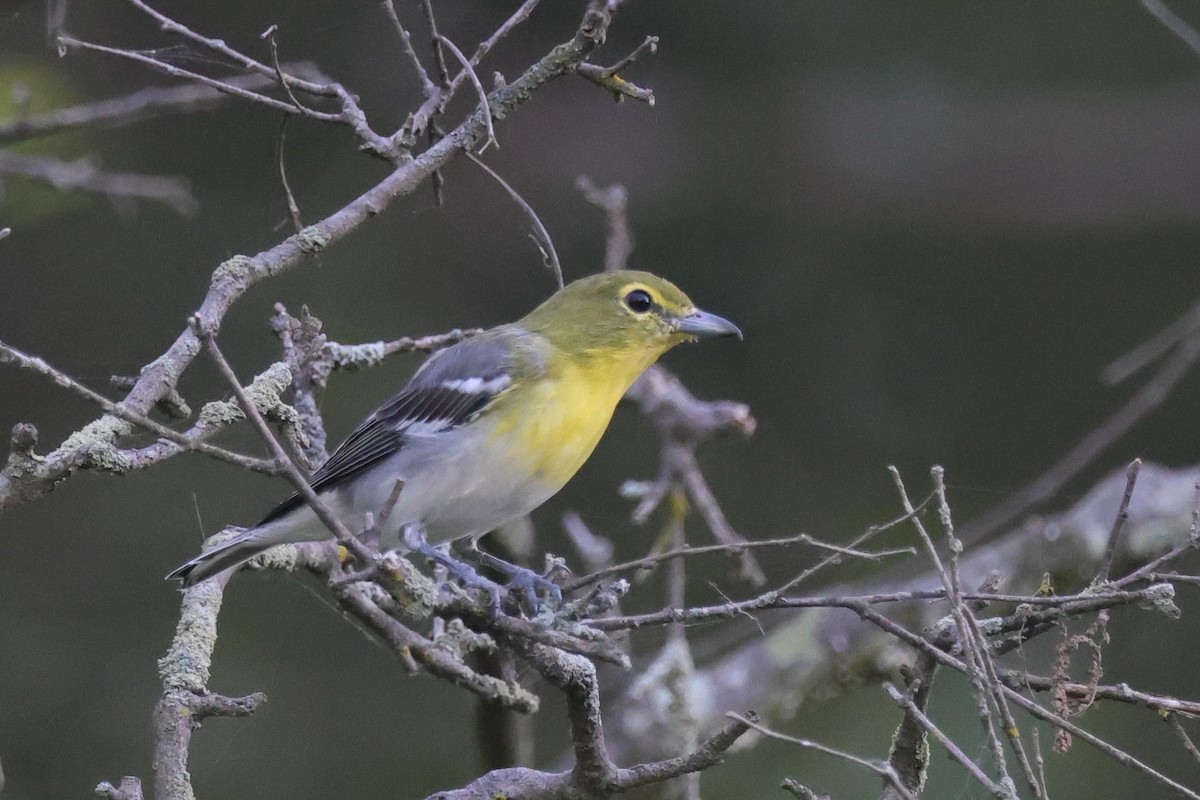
(453, 491)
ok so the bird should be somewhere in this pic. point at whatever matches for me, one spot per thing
(488, 429)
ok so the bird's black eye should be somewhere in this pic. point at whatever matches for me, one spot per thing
(639, 301)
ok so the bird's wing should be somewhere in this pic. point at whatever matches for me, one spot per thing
(452, 388)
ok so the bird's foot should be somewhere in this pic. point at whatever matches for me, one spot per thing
(524, 580)
(465, 573)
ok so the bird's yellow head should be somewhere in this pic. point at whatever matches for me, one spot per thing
(623, 314)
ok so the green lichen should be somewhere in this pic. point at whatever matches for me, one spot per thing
(267, 386)
(109, 458)
(312, 239)
(359, 356)
(461, 640)
(96, 438)
(105, 430)
(286, 557)
(237, 269)
(187, 662)
(218, 414)
(1161, 597)
(416, 594)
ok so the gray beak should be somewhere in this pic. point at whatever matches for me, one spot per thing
(703, 324)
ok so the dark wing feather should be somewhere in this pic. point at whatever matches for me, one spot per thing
(451, 388)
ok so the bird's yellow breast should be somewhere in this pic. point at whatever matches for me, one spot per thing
(563, 416)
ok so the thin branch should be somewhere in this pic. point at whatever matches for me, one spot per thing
(709, 753)
(212, 83)
(1192, 542)
(290, 470)
(1023, 620)
(140, 105)
(1032, 707)
(1184, 739)
(479, 90)
(219, 47)
(608, 77)
(1166, 705)
(9, 354)
(688, 551)
(293, 208)
(427, 86)
(1114, 537)
(436, 40)
(869, 534)
(972, 650)
(540, 235)
(914, 713)
(352, 357)
(881, 768)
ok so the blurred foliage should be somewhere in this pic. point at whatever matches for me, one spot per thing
(31, 87)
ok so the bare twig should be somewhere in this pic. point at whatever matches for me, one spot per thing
(140, 105)
(1114, 538)
(1184, 739)
(490, 139)
(881, 768)
(1119, 693)
(866, 536)
(687, 551)
(915, 713)
(1193, 540)
(608, 77)
(111, 456)
(212, 83)
(219, 47)
(971, 647)
(435, 38)
(427, 86)
(540, 235)
(282, 459)
(293, 207)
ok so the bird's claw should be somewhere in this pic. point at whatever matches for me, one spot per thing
(524, 580)
(466, 574)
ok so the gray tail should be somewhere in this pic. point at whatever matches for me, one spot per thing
(229, 555)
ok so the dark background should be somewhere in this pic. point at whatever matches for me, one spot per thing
(935, 222)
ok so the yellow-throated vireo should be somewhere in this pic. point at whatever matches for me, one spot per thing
(489, 429)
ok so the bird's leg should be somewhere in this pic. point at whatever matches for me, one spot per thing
(521, 579)
(414, 538)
